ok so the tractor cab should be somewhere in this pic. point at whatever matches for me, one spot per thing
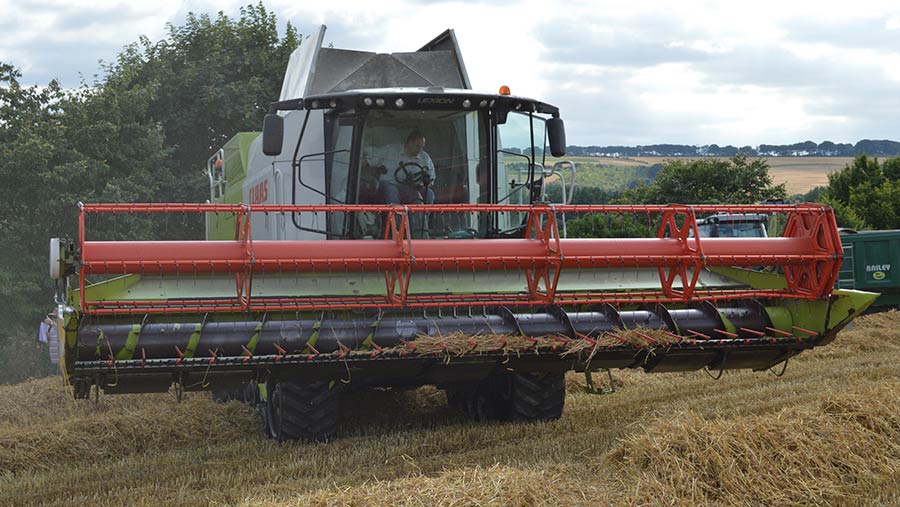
(738, 225)
(480, 149)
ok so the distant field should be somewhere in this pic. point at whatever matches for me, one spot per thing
(799, 174)
(802, 174)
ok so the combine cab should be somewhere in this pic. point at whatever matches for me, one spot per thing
(313, 278)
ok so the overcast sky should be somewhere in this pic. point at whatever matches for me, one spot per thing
(635, 72)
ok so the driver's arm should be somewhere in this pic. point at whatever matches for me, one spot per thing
(429, 168)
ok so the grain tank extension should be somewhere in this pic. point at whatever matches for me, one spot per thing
(328, 265)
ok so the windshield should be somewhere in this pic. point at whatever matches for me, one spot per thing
(448, 145)
(412, 157)
(519, 163)
(725, 229)
(516, 155)
(433, 157)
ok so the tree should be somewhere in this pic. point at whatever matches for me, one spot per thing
(814, 195)
(60, 148)
(877, 147)
(207, 80)
(863, 169)
(866, 194)
(582, 195)
(846, 216)
(891, 169)
(26, 118)
(878, 205)
(622, 225)
(141, 133)
(709, 181)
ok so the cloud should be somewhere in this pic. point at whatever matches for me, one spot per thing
(622, 72)
(877, 30)
(62, 40)
(632, 42)
(705, 78)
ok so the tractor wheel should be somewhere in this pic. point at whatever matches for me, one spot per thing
(486, 406)
(537, 397)
(305, 411)
(250, 393)
(456, 398)
(224, 395)
(486, 401)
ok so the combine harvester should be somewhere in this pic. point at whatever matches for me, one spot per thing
(311, 280)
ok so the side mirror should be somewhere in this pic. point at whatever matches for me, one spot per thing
(556, 133)
(273, 134)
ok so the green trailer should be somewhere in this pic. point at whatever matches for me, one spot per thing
(872, 263)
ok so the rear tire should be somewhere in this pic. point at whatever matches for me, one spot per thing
(301, 411)
(537, 397)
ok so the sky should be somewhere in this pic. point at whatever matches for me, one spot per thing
(623, 73)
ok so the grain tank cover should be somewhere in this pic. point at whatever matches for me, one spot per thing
(314, 70)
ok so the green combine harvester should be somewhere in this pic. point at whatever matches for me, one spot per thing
(390, 228)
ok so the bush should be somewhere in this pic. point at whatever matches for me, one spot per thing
(23, 357)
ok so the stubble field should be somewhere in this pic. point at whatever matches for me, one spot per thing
(826, 433)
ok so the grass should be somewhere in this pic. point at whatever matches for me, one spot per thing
(826, 433)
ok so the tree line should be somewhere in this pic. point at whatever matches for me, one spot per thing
(805, 149)
(141, 132)
(865, 194)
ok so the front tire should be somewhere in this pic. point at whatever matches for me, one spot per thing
(537, 397)
(301, 411)
(222, 396)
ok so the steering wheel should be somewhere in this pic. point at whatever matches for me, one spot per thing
(466, 233)
(404, 176)
(513, 232)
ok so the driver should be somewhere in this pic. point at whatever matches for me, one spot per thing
(407, 171)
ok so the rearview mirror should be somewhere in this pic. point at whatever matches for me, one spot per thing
(556, 134)
(273, 134)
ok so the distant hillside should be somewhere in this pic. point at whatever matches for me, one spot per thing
(612, 175)
(805, 149)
